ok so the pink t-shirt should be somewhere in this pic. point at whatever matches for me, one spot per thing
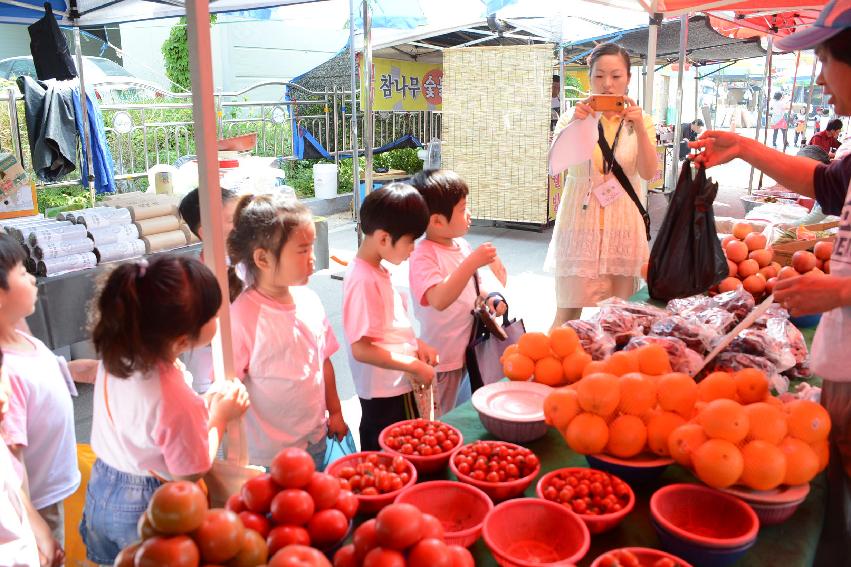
(155, 423)
(373, 308)
(41, 419)
(448, 331)
(279, 352)
(17, 542)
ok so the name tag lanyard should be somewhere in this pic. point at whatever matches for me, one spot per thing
(607, 163)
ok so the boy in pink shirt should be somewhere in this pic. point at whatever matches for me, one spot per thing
(384, 352)
(442, 269)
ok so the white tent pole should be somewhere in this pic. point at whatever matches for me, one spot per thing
(87, 175)
(766, 80)
(810, 96)
(353, 129)
(369, 132)
(561, 98)
(678, 125)
(210, 197)
(653, 30)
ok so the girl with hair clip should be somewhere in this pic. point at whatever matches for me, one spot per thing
(148, 424)
(282, 338)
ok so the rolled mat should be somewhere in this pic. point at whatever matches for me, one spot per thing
(157, 225)
(96, 219)
(120, 250)
(61, 233)
(63, 264)
(144, 211)
(164, 241)
(113, 233)
(58, 249)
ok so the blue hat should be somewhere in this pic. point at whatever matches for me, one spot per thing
(835, 18)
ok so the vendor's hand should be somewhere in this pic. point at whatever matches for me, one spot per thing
(633, 113)
(483, 255)
(426, 353)
(229, 402)
(337, 427)
(422, 373)
(582, 110)
(807, 295)
(718, 147)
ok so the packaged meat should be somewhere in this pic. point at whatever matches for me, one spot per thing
(774, 312)
(785, 332)
(682, 358)
(695, 335)
(738, 302)
(592, 338)
(759, 343)
(618, 324)
(693, 304)
(643, 314)
(714, 318)
(734, 361)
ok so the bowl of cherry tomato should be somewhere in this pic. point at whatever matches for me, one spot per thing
(499, 469)
(601, 499)
(376, 478)
(638, 557)
(460, 508)
(426, 444)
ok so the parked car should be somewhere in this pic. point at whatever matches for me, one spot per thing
(110, 81)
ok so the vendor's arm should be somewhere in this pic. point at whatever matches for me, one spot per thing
(808, 295)
(646, 133)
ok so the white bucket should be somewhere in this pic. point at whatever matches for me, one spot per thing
(325, 180)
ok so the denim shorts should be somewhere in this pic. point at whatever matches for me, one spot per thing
(114, 502)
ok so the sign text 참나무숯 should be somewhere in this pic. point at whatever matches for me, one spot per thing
(405, 85)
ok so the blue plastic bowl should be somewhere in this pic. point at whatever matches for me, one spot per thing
(698, 555)
(631, 472)
(806, 321)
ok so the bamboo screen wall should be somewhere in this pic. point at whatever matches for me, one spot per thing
(496, 121)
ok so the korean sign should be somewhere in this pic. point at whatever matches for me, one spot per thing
(405, 85)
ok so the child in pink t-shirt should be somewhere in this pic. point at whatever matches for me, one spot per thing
(383, 349)
(282, 339)
(147, 422)
(441, 273)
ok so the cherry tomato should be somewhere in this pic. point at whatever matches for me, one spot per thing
(347, 503)
(299, 556)
(327, 527)
(432, 528)
(174, 551)
(292, 468)
(257, 493)
(255, 522)
(253, 552)
(601, 493)
(282, 536)
(177, 507)
(293, 507)
(365, 538)
(220, 535)
(379, 557)
(665, 562)
(324, 489)
(235, 504)
(430, 552)
(422, 437)
(127, 556)
(398, 526)
(461, 556)
(494, 462)
(345, 557)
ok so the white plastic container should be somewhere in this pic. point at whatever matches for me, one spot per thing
(325, 180)
(161, 179)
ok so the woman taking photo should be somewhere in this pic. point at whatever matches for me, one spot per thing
(597, 251)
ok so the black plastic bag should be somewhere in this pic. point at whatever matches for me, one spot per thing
(687, 258)
(51, 56)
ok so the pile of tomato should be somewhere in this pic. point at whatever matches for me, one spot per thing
(401, 536)
(375, 474)
(626, 558)
(490, 461)
(421, 437)
(587, 491)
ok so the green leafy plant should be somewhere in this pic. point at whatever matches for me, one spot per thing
(175, 52)
(66, 197)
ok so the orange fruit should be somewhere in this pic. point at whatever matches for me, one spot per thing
(659, 429)
(560, 407)
(767, 422)
(653, 359)
(638, 394)
(574, 364)
(802, 463)
(599, 394)
(822, 449)
(622, 362)
(518, 367)
(775, 402)
(764, 465)
(627, 436)
(509, 350)
(587, 434)
(724, 419)
(684, 440)
(718, 463)
(716, 386)
(595, 367)
(678, 393)
(807, 421)
(534, 345)
(751, 385)
(563, 341)
(548, 371)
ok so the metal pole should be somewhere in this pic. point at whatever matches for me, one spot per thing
(17, 147)
(653, 30)
(810, 97)
(678, 126)
(696, 91)
(87, 175)
(768, 62)
(353, 125)
(765, 80)
(561, 97)
(368, 118)
(792, 98)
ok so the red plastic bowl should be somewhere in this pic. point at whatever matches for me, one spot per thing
(461, 508)
(498, 491)
(646, 556)
(366, 503)
(425, 465)
(704, 516)
(597, 523)
(529, 532)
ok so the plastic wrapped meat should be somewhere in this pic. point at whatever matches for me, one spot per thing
(785, 332)
(738, 302)
(592, 338)
(759, 343)
(773, 312)
(688, 305)
(682, 358)
(643, 314)
(735, 361)
(696, 336)
(719, 321)
(618, 324)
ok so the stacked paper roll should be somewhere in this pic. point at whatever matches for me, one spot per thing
(105, 216)
(120, 250)
(61, 232)
(58, 249)
(164, 241)
(52, 246)
(114, 233)
(73, 262)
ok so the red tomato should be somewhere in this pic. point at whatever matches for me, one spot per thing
(324, 489)
(220, 535)
(235, 504)
(398, 526)
(174, 551)
(365, 538)
(293, 468)
(257, 493)
(177, 507)
(292, 506)
(126, 556)
(299, 556)
(327, 527)
(379, 557)
(255, 522)
(430, 553)
(144, 528)
(282, 536)
(254, 551)
(461, 556)
(665, 562)
(347, 503)
(346, 557)
(432, 527)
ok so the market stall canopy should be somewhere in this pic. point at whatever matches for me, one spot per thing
(671, 8)
(100, 12)
(743, 25)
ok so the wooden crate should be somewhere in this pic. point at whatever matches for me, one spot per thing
(783, 252)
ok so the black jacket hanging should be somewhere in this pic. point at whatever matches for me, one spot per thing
(49, 49)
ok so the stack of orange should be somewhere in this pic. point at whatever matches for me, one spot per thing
(742, 435)
(750, 264)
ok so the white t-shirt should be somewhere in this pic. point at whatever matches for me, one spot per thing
(373, 308)
(280, 351)
(448, 331)
(41, 418)
(154, 423)
(17, 542)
